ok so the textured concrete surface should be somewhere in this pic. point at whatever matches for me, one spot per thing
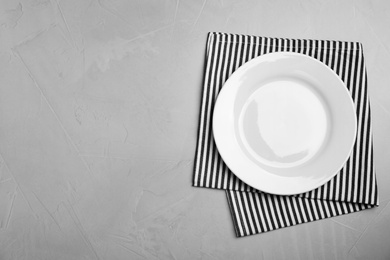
(99, 103)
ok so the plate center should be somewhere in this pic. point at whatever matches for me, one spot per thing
(283, 123)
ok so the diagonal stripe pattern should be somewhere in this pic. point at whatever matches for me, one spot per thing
(353, 189)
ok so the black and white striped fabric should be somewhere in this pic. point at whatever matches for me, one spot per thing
(353, 189)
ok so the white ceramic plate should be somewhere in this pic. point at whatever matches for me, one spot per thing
(284, 123)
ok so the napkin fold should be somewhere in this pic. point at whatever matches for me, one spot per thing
(353, 189)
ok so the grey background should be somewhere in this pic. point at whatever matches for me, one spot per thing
(99, 103)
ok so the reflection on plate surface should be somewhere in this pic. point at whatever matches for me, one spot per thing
(283, 123)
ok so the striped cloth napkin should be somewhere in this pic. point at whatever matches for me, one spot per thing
(353, 189)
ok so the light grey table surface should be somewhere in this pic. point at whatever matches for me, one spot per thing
(99, 107)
